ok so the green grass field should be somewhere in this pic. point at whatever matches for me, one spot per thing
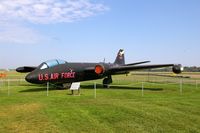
(26, 108)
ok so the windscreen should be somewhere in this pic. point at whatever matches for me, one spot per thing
(51, 63)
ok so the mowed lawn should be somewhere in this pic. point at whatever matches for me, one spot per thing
(121, 108)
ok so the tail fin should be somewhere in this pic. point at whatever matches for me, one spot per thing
(120, 60)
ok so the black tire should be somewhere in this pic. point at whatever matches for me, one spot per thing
(106, 82)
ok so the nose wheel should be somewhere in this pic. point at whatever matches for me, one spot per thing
(107, 81)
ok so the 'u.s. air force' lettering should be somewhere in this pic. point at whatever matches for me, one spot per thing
(55, 76)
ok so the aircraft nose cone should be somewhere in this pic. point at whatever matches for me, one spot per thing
(31, 78)
(28, 78)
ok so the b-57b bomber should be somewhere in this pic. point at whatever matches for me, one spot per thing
(60, 72)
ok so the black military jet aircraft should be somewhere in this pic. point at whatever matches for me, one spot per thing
(61, 72)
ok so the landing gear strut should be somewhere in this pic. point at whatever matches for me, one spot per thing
(107, 81)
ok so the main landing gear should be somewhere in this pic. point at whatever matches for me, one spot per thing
(107, 81)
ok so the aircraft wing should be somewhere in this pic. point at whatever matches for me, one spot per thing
(118, 69)
(100, 69)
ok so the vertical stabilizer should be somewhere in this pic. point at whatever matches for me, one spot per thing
(120, 60)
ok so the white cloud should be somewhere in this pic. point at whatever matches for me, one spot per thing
(14, 13)
(49, 11)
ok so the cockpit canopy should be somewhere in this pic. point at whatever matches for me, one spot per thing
(51, 63)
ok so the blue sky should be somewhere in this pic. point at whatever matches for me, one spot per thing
(163, 31)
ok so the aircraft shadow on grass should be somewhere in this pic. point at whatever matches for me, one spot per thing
(28, 85)
(38, 89)
(120, 87)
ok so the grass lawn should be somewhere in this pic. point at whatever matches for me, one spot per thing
(119, 109)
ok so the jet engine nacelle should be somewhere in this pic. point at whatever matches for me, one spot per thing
(177, 69)
(99, 69)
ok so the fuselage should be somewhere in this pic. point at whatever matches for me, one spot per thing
(66, 73)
